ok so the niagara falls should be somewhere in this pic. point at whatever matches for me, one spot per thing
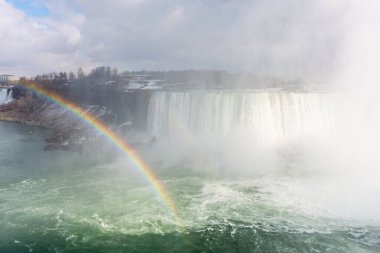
(189, 126)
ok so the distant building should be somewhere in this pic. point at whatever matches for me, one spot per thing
(142, 82)
(140, 77)
(6, 78)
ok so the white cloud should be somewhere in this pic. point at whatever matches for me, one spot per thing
(30, 45)
(287, 38)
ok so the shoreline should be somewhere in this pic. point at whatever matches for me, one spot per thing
(67, 133)
(5, 118)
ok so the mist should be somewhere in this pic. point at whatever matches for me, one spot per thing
(330, 171)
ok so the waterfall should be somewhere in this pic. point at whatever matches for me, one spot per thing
(268, 116)
(5, 96)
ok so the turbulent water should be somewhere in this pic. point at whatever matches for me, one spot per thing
(233, 193)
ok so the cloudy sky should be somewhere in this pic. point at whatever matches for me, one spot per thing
(287, 38)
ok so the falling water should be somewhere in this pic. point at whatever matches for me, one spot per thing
(268, 116)
(5, 96)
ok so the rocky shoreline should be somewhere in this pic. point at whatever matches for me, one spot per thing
(69, 132)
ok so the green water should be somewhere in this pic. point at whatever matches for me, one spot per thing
(68, 202)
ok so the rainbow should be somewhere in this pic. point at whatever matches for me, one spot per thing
(114, 138)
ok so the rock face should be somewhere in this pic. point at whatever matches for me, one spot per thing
(69, 131)
(21, 110)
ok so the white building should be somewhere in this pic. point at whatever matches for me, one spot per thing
(6, 78)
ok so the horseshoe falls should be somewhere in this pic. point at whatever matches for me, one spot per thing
(247, 171)
(269, 116)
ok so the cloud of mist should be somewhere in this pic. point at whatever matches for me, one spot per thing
(334, 175)
(358, 64)
(358, 77)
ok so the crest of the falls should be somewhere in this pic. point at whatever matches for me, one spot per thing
(269, 116)
(5, 96)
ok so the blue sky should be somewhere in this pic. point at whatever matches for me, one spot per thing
(31, 8)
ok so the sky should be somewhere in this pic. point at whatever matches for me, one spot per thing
(284, 38)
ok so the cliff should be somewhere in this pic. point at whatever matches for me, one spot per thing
(69, 131)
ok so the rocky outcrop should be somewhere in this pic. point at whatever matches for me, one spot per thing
(21, 110)
(69, 131)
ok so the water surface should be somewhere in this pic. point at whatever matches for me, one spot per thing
(69, 202)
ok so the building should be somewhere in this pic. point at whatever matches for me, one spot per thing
(6, 78)
(142, 82)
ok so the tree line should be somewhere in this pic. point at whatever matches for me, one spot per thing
(105, 75)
